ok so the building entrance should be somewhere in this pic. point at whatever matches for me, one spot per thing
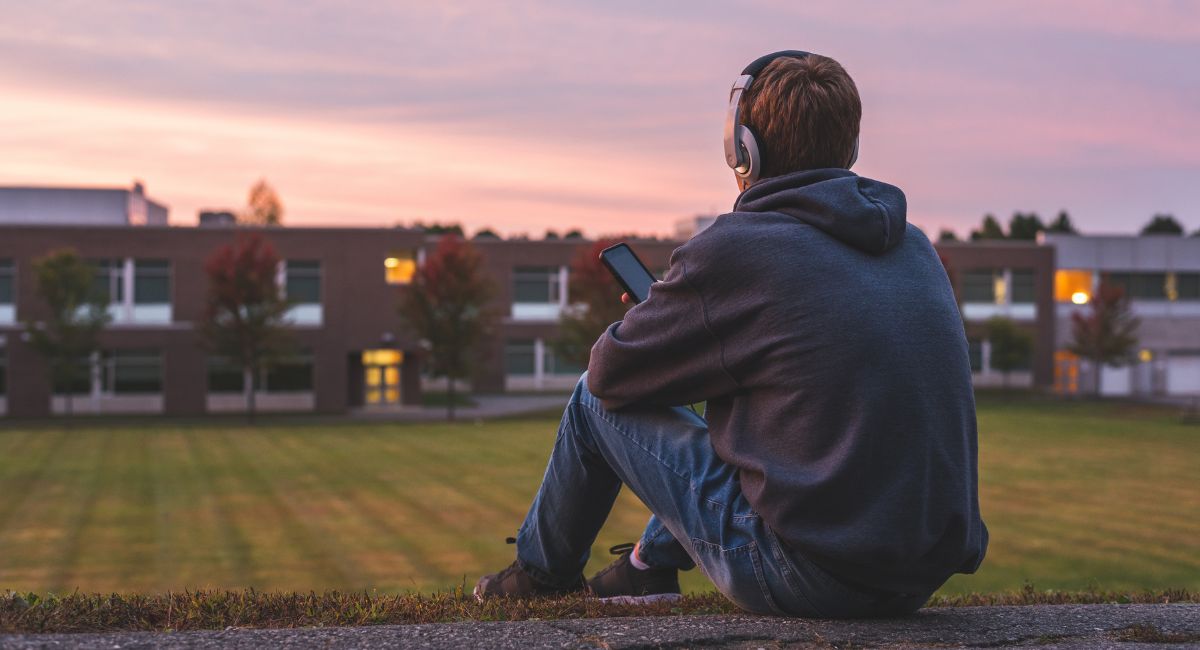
(381, 376)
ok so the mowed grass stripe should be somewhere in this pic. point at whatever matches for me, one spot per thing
(215, 485)
(294, 538)
(83, 493)
(411, 504)
(315, 491)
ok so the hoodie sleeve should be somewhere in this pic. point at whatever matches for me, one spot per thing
(665, 352)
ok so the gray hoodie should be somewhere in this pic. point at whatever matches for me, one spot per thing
(823, 332)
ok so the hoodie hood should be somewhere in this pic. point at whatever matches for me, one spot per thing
(863, 213)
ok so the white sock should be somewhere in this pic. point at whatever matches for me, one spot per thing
(635, 560)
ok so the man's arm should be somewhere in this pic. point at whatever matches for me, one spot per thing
(665, 352)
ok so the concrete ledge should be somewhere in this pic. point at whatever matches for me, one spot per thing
(1043, 626)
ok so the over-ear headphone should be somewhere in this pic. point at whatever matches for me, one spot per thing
(741, 147)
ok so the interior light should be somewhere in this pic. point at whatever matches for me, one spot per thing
(1146, 356)
(1079, 298)
(392, 262)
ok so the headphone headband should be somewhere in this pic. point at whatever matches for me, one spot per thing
(741, 147)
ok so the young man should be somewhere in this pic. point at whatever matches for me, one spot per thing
(834, 472)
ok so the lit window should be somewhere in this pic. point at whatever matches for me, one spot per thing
(382, 357)
(399, 268)
(1072, 285)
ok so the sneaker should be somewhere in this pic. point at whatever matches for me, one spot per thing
(623, 583)
(515, 582)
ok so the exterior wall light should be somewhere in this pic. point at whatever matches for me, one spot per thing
(1079, 298)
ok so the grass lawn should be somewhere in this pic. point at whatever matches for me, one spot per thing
(1077, 496)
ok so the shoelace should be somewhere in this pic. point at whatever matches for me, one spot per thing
(621, 549)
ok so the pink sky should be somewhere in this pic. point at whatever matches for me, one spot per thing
(606, 116)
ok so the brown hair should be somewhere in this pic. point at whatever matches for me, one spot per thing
(804, 113)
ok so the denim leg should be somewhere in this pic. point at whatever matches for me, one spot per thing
(659, 548)
(666, 458)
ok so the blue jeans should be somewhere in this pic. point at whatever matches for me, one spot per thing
(700, 516)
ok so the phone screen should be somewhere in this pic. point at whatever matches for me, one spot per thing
(629, 271)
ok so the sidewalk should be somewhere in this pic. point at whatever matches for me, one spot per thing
(1043, 626)
(486, 407)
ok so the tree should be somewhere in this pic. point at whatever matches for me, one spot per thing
(947, 235)
(446, 307)
(1025, 226)
(486, 233)
(595, 304)
(1162, 224)
(263, 207)
(989, 229)
(573, 233)
(1062, 224)
(1011, 346)
(78, 313)
(1106, 335)
(245, 317)
(550, 235)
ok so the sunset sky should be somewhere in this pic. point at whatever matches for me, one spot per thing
(525, 116)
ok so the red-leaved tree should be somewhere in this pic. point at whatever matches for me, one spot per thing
(446, 306)
(1107, 333)
(595, 304)
(245, 315)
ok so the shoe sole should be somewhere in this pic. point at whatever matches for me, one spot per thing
(648, 599)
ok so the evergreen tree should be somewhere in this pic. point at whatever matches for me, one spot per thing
(1025, 226)
(989, 229)
(947, 235)
(1162, 224)
(1062, 225)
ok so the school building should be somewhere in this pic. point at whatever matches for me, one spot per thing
(353, 352)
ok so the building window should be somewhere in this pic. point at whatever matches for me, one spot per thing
(293, 374)
(1072, 285)
(536, 284)
(552, 364)
(303, 282)
(1140, 286)
(1187, 286)
(79, 384)
(108, 280)
(151, 282)
(225, 376)
(399, 267)
(1022, 287)
(132, 372)
(6, 282)
(975, 352)
(3, 372)
(520, 358)
(8, 312)
(979, 286)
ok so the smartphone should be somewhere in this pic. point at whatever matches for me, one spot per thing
(631, 274)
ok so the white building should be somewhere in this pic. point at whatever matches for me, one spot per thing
(1161, 275)
(78, 206)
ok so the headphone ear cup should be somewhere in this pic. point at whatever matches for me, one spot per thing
(744, 138)
(853, 155)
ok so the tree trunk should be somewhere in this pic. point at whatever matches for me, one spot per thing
(251, 394)
(1004, 380)
(1097, 370)
(450, 395)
